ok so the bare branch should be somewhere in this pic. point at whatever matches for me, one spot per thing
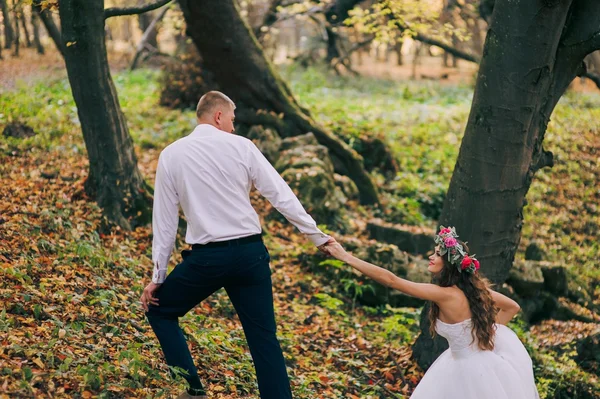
(117, 11)
(434, 42)
(342, 60)
(309, 12)
(447, 48)
(143, 42)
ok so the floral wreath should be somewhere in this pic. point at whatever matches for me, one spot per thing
(447, 240)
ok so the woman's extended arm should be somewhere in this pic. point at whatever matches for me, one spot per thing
(430, 292)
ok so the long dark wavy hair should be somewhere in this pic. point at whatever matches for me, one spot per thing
(475, 288)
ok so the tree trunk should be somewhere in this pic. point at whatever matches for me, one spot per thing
(144, 20)
(398, 48)
(335, 14)
(114, 179)
(474, 28)
(333, 53)
(17, 38)
(533, 50)
(143, 45)
(36, 31)
(231, 53)
(28, 42)
(51, 28)
(8, 29)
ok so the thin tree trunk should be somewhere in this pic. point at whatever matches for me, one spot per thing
(17, 40)
(473, 24)
(398, 48)
(148, 34)
(237, 63)
(333, 51)
(36, 31)
(8, 29)
(532, 52)
(51, 28)
(114, 179)
(144, 20)
(28, 42)
(455, 44)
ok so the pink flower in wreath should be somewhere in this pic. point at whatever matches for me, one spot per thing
(476, 262)
(445, 231)
(450, 242)
(465, 262)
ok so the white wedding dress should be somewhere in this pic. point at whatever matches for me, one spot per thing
(464, 371)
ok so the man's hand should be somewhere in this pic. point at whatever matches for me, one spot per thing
(338, 252)
(323, 248)
(148, 296)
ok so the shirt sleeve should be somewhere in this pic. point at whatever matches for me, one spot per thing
(165, 217)
(272, 186)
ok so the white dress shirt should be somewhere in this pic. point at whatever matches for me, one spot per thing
(210, 173)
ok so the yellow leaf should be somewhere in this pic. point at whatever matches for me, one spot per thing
(69, 44)
(39, 362)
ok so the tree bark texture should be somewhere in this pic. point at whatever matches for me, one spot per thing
(114, 179)
(533, 50)
(232, 55)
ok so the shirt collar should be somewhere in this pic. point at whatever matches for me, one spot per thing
(205, 129)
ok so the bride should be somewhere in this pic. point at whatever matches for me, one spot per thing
(485, 360)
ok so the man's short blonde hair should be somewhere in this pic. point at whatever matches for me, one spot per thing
(211, 101)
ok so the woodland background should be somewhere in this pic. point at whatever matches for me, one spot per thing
(387, 117)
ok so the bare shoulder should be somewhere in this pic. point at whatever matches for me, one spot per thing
(454, 293)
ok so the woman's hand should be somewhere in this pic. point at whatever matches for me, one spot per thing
(337, 251)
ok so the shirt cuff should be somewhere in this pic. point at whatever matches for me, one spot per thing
(318, 238)
(159, 275)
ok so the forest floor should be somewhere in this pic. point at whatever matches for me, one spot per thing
(71, 325)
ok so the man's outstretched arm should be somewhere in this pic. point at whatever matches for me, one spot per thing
(272, 186)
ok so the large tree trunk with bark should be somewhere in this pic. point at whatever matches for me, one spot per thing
(114, 179)
(236, 62)
(50, 25)
(533, 50)
(8, 28)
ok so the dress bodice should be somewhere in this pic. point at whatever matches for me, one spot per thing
(464, 371)
(458, 335)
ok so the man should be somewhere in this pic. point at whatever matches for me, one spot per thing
(210, 173)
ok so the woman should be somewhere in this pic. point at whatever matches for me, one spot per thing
(485, 360)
